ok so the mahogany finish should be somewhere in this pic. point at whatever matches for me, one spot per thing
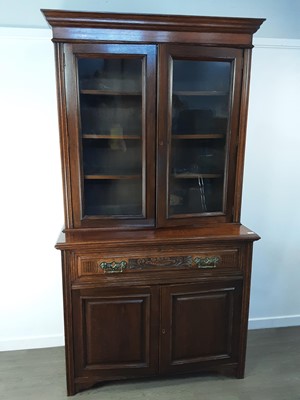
(154, 282)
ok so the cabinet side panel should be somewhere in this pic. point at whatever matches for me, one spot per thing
(64, 137)
(68, 322)
(242, 135)
(247, 257)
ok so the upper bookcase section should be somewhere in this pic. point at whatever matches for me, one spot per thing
(69, 26)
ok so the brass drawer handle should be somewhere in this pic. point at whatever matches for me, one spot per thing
(113, 267)
(207, 262)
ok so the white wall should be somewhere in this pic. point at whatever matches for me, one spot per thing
(31, 197)
(282, 15)
(272, 182)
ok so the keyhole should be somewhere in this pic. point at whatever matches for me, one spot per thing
(163, 331)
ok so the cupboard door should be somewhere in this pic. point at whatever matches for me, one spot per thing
(200, 325)
(198, 128)
(115, 332)
(111, 112)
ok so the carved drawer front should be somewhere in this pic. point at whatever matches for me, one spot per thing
(200, 260)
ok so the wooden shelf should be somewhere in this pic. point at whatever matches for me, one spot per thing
(192, 175)
(110, 177)
(199, 136)
(110, 92)
(95, 136)
(200, 93)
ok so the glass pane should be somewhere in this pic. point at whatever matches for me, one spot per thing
(200, 113)
(111, 135)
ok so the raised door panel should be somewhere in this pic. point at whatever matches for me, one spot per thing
(200, 325)
(115, 332)
(199, 97)
(111, 132)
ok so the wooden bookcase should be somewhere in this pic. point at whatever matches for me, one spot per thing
(156, 264)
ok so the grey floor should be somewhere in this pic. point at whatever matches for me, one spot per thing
(272, 373)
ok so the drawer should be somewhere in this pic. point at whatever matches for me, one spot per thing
(204, 259)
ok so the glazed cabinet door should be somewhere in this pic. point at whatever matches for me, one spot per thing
(115, 333)
(200, 325)
(198, 133)
(110, 106)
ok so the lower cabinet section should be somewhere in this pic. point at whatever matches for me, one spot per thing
(200, 325)
(115, 332)
(129, 331)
